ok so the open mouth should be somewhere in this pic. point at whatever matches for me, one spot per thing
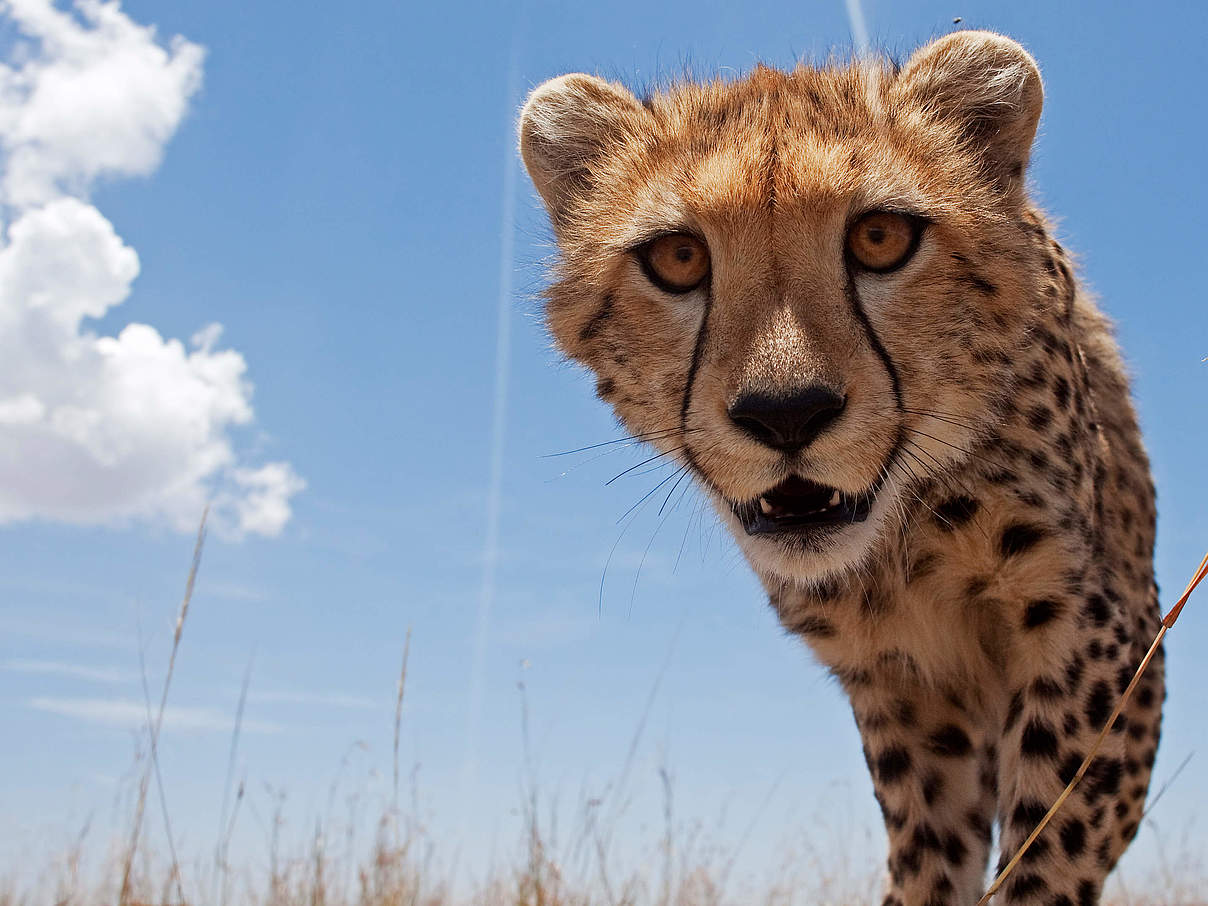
(798, 506)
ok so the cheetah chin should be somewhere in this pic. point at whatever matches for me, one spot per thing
(800, 532)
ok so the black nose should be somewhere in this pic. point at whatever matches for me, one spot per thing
(787, 421)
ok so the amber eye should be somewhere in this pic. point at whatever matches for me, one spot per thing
(882, 240)
(676, 263)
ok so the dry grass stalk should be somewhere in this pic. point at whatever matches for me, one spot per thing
(226, 829)
(124, 896)
(398, 719)
(1167, 622)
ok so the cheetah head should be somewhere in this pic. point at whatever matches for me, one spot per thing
(804, 286)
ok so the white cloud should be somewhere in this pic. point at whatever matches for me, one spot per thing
(98, 96)
(322, 699)
(104, 429)
(73, 671)
(132, 714)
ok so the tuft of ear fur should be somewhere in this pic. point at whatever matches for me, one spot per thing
(569, 123)
(986, 85)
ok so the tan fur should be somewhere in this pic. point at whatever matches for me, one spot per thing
(1003, 579)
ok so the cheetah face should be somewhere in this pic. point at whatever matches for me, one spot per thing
(804, 287)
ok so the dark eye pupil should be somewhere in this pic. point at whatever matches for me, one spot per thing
(684, 253)
(876, 235)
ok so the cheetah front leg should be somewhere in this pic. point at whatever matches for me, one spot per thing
(1051, 724)
(933, 772)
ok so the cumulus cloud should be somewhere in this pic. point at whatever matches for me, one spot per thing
(94, 428)
(321, 699)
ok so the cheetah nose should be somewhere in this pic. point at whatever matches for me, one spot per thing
(787, 421)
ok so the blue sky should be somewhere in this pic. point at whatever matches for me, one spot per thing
(334, 190)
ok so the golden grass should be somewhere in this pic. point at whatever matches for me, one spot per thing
(399, 868)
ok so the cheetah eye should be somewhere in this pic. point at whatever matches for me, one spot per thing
(675, 263)
(883, 241)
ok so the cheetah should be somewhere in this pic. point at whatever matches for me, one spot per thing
(826, 294)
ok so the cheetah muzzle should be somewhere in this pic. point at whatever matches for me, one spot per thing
(801, 508)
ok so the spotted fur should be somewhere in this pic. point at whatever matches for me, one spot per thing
(987, 614)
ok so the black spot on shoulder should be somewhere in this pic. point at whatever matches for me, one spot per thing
(1105, 775)
(1073, 674)
(1096, 610)
(605, 387)
(1047, 689)
(1069, 766)
(1038, 740)
(950, 741)
(955, 512)
(1098, 704)
(1088, 893)
(904, 711)
(1061, 392)
(1020, 537)
(925, 837)
(933, 787)
(1123, 677)
(1039, 417)
(1027, 885)
(910, 862)
(1027, 814)
(954, 849)
(892, 764)
(1073, 837)
(1040, 612)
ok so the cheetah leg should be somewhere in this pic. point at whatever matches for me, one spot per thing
(934, 779)
(1050, 727)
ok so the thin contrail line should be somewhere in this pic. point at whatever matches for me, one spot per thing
(503, 355)
(859, 30)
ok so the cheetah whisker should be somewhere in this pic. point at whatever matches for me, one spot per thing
(633, 439)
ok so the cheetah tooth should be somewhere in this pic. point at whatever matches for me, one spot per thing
(767, 508)
(834, 500)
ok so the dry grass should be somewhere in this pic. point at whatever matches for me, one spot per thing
(398, 866)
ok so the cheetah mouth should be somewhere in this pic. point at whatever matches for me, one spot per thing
(798, 506)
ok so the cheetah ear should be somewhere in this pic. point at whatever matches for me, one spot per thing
(990, 87)
(566, 126)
